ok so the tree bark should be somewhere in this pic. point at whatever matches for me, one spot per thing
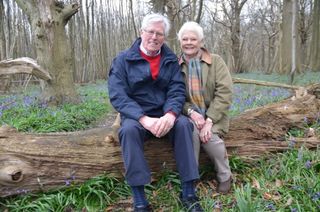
(3, 53)
(286, 48)
(48, 19)
(314, 48)
(39, 162)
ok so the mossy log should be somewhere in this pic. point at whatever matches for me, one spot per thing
(39, 162)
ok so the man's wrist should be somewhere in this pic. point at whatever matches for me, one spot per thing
(172, 113)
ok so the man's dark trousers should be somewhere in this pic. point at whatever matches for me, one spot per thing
(132, 137)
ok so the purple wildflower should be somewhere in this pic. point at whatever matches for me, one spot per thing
(308, 164)
(271, 206)
(316, 196)
(27, 100)
(274, 93)
(292, 142)
(43, 105)
(237, 100)
(294, 210)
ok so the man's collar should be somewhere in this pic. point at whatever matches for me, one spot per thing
(148, 53)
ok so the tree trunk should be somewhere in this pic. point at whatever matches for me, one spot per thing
(34, 162)
(315, 47)
(3, 53)
(286, 57)
(293, 41)
(48, 19)
(234, 16)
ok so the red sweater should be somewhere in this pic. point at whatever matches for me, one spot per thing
(154, 64)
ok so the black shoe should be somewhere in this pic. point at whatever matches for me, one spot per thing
(143, 208)
(191, 203)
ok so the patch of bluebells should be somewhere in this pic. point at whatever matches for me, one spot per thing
(16, 101)
(99, 89)
(251, 96)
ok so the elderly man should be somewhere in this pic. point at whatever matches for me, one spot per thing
(146, 87)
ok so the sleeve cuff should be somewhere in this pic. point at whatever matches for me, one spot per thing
(173, 113)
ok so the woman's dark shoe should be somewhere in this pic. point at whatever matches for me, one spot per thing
(143, 208)
(224, 187)
(192, 204)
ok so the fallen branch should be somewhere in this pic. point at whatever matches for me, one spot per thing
(24, 65)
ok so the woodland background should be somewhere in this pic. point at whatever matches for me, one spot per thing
(267, 36)
(74, 42)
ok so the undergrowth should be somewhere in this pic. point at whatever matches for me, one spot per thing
(287, 181)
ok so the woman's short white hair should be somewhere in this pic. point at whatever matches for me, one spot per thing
(191, 26)
(153, 18)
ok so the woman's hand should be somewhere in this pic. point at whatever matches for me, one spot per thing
(205, 132)
(198, 119)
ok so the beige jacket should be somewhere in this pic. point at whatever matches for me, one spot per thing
(218, 90)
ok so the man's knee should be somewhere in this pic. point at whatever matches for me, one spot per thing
(129, 126)
(183, 122)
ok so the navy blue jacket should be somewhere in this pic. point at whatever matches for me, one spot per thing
(133, 92)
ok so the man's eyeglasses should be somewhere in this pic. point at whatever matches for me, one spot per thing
(151, 33)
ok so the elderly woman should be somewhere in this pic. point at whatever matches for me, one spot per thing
(209, 96)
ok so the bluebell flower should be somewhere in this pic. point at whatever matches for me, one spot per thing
(292, 142)
(316, 196)
(271, 206)
(308, 164)
(274, 93)
(27, 100)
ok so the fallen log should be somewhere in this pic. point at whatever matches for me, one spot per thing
(39, 162)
